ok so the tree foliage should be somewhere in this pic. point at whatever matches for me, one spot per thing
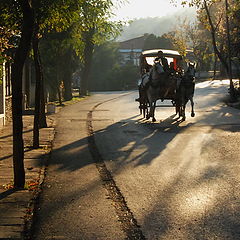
(217, 17)
(212, 15)
(94, 27)
(153, 41)
(85, 23)
(109, 73)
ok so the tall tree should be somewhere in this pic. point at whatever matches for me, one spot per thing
(106, 60)
(43, 12)
(57, 47)
(17, 69)
(46, 17)
(214, 12)
(202, 50)
(94, 26)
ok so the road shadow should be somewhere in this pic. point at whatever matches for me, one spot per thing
(194, 210)
(7, 193)
(117, 136)
(127, 135)
(204, 207)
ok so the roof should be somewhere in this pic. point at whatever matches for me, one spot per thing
(166, 53)
(130, 50)
(135, 43)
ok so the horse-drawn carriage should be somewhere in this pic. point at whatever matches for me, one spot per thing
(163, 77)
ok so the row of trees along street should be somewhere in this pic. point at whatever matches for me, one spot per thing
(213, 39)
(68, 31)
(66, 38)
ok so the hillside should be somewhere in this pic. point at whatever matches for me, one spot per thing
(157, 26)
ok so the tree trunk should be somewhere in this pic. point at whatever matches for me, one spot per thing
(216, 51)
(221, 58)
(232, 90)
(17, 70)
(67, 78)
(38, 89)
(58, 89)
(215, 66)
(67, 86)
(87, 61)
(42, 116)
(42, 119)
(59, 96)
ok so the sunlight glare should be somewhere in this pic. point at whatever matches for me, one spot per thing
(142, 9)
(198, 200)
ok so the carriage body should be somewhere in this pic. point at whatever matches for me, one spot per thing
(173, 57)
(167, 85)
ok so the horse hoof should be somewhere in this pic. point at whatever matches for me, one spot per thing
(192, 114)
(184, 118)
(147, 117)
(154, 120)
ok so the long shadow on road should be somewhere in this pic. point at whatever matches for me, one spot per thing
(205, 205)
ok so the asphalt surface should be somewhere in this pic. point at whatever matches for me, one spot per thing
(74, 204)
(180, 180)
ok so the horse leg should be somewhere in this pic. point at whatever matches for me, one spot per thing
(149, 105)
(182, 107)
(178, 107)
(179, 111)
(153, 112)
(183, 112)
(149, 113)
(192, 105)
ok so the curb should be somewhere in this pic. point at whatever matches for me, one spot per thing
(33, 204)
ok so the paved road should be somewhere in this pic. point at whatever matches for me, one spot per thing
(177, 180)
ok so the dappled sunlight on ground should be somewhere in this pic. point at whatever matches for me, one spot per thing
(184, 175)
(215, 83)
(180, 179)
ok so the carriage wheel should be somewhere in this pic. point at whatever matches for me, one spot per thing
(144, 110)
(143, 107)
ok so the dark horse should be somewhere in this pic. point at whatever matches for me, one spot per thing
(185, 91)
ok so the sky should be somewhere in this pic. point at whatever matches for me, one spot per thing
(146, 8)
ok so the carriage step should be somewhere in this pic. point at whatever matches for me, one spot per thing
(165, 105)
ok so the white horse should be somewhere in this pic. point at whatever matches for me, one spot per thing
(155, 88)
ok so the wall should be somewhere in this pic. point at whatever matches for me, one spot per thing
(2, 95)
(8, 109)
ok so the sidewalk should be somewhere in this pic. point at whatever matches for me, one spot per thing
(16, 206)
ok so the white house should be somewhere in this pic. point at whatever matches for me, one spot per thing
(131, 49)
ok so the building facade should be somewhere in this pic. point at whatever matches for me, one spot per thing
(5, 94)
(131, 50)
(2, 94)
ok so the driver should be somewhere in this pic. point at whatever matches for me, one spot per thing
(162, 60)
